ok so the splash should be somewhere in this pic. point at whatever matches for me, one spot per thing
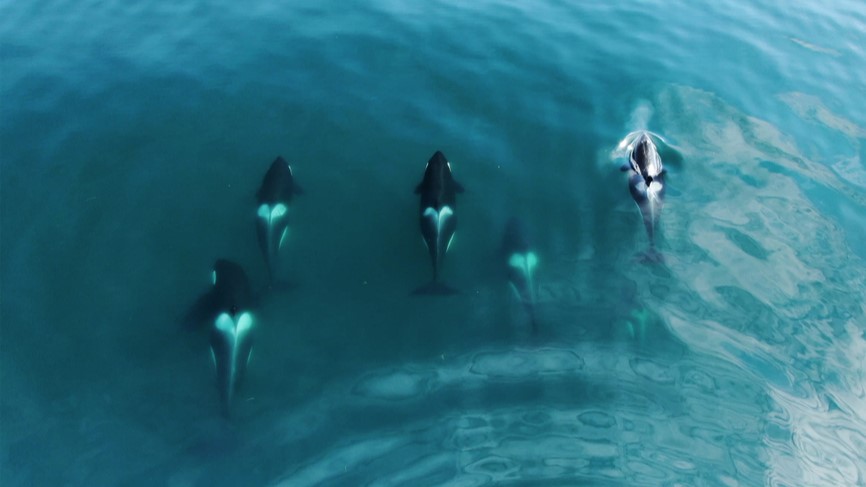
(640, 116)
(638, 122)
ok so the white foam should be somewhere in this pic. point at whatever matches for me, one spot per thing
(519, 363)
(341, 460)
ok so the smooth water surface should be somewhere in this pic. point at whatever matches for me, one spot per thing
(133, 137)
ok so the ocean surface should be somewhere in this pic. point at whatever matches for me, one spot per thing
(133, 138)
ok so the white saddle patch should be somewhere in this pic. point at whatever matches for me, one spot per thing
(440, 217)
(531, 260)
(525, 262)
(234, 329)
(269, 214)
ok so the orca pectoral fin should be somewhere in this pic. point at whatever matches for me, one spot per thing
(625, 167)
(419, 188)
(458, 187)
(435, 288)
(297, 189)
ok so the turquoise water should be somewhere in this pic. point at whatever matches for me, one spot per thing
(133, 138)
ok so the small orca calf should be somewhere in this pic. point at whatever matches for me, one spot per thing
(646, 181)
(521, 262)
(232, 324)
(274, 199)
(438, 216)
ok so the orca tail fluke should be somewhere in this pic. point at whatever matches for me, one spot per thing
(435, 288)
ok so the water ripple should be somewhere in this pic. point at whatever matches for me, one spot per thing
(571, 438)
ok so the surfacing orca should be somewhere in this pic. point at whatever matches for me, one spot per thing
(646, 181)
(274, 201)
(438, 216)
(231, 341)
(521, 262)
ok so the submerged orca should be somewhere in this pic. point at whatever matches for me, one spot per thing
(438, 216)
(272, 223)
(646, 181)
(521, 262)
(232, 323)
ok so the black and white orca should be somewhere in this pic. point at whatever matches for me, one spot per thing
(274, 201)
(646, 181)
(231, 334)
(521, 262)
(438, 217)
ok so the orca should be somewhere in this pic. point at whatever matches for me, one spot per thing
(521, 260)
(274, 199)
(232, 323)
(646, 179)
(438, 191)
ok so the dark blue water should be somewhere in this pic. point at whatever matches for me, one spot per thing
(133, 138)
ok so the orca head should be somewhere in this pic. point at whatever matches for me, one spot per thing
(645, 159)
(439, 159)
(438, 177)
(280, 166)
(437, 168)
(277, 184)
